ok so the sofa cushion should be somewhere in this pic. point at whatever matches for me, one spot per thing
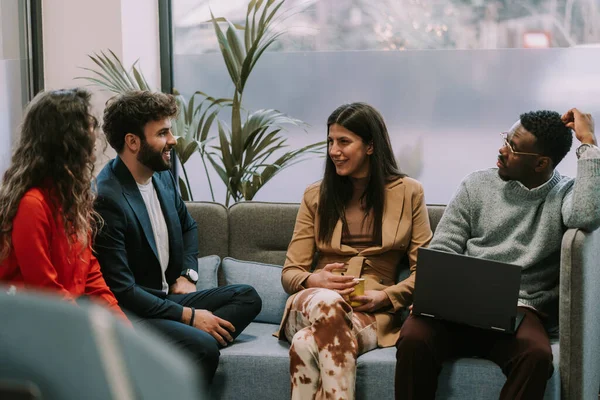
(463, 378)
(257, 364)
(208, 268)
(265, 278)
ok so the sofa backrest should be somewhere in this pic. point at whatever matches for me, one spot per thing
(435, 212)
(213, 227)
(261, 231)
(254, 231)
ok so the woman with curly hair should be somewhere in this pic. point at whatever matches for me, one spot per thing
(46, 202)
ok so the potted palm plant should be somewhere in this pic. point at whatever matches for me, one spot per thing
(250, 150)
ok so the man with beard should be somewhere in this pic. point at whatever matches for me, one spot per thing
(148, 246)
(515, 213)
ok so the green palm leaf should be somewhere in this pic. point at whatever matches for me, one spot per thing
(253, 150)
(230, 61)
(243, 153)
(235, 45)
(113, 76)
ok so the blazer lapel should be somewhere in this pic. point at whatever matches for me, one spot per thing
(392, 213)
(136, 202)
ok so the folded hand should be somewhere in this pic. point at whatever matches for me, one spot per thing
(371, 301)
(182, 286)
(325, 278)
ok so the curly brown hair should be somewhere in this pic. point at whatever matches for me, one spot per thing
(129, 112)
(55, 150)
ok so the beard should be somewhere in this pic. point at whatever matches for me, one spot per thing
(501, 173)
(503, 177)
(153, 159)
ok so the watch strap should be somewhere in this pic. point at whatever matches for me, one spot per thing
(186, 274)
(582, 149)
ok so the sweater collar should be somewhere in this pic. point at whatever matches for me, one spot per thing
(521, 191)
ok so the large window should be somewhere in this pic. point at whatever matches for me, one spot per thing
(333, 25)
(16, 70)
(446, 75)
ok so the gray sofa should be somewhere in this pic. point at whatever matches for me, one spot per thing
(256, 365)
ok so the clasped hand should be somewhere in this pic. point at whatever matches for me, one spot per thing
(325, 278)
(371, 301)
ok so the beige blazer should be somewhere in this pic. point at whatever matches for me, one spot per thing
(405, 228)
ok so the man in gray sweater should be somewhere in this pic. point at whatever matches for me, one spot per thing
(515, 213)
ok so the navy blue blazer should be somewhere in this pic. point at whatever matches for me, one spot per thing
(125, 245)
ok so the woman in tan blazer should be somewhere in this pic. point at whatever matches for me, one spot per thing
(360, 220)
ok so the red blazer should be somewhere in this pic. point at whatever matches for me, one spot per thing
(40, 257)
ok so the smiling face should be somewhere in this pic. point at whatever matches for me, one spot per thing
(348, 152)
(155, 149)
(512, 163)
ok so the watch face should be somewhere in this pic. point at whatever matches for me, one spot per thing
(193, 274)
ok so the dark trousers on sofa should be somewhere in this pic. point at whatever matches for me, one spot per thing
(425, 343)
(238, 304)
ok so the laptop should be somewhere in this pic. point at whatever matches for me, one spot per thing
(467, 290)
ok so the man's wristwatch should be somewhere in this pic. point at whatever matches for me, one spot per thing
(191, 275)
(581, 149)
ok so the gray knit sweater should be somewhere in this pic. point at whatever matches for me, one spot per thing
(505, 221)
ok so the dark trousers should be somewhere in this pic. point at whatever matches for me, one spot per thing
(238, 304)
(425, 343)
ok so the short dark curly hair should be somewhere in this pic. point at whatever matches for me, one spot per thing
(129, 112)
(554, 138)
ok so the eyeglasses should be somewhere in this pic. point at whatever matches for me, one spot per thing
(507, 144)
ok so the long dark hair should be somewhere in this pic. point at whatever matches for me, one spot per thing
(336, 191)
(55, 149)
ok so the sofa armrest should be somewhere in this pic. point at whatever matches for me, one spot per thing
(579, 316)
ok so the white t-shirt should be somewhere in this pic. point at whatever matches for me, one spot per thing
(159, 228)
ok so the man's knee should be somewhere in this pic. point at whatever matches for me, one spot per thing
(248, 295)
(416, 337)
(538, 357)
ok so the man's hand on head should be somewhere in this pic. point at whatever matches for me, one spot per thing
(182, 286)
(582, 124)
